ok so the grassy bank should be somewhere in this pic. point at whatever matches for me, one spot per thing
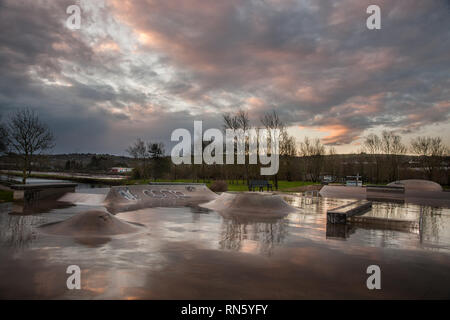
(283, 185)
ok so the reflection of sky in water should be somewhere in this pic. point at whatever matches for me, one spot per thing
(205, 255)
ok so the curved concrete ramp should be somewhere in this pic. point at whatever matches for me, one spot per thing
(134, 197)
(343, 192)
(86, 199)
(417, 185)
(93, 223)
(250, 205)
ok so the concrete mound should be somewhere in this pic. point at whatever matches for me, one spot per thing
(250, 205)
(417, 185)
(93, 223)
(135, 197)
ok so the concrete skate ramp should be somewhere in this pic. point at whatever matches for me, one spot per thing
(343, 192)
(417, 185)
(250, 205)
(135, 197)
(83, 198)
(93, 223)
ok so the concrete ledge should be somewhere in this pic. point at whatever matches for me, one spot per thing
(41, 186)
(387, 189)
(340, 214)
(31, 192)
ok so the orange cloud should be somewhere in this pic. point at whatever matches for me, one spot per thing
(337, 131)
(106, 46)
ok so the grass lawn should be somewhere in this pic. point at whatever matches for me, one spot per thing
(6, 196)
(282, 184)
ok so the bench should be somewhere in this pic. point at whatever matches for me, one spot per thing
(259, 184)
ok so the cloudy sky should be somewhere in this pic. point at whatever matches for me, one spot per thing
(142, 68)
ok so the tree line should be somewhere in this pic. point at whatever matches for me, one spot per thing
(382, 158)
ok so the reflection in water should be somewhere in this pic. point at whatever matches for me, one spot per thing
(385, 224)
(17, 231)
(41, 206)
(20, 230)
(184, 253)
(430, 227)
(252, 237)
(92, 241)
(434, 225)
(339, 230)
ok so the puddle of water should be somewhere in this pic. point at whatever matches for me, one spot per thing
(186, 253)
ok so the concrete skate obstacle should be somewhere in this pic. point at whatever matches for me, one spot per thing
(342, 213)
(134, 197)
(250, 205)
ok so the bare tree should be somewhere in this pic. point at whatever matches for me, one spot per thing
(28, 136)
(332, 151)
(138, 150)
(230, 121)
(313, 151)
(430, 151)
(372, 145)
(393, 147)
(288, 150)
(288, 145)
(239, 120)
(389, 144)
(392, 144)
(243, 120)
(331, 162)
(271, 121)
(156, 152)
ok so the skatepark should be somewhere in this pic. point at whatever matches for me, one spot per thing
(183, 241)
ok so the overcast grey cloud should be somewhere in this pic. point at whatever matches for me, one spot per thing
(145, 67)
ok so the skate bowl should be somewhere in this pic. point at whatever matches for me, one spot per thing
(416, 185)
(92, 223)
(135, 197)
(250, 205)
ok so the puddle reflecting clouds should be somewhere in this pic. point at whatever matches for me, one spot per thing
(193, 253)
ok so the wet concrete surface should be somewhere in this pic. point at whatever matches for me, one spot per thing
(423, 197)
(192, 253)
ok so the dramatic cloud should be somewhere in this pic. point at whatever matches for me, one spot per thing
(141, 68)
